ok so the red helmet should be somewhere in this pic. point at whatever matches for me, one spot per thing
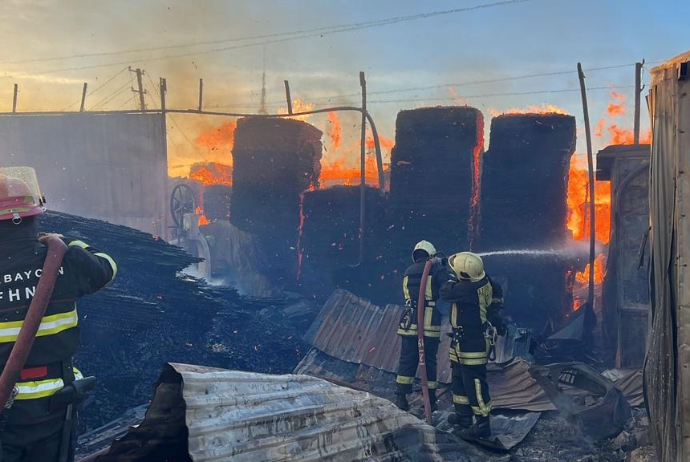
(20, 195)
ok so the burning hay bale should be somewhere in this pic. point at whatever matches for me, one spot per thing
(523, 206)
(329, 237)
(275, 161)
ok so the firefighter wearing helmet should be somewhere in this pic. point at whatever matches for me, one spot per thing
(474, 317)
(38, 422)
(407, 330)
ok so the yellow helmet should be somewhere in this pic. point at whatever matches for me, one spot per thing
(467, 266)
(425, 246)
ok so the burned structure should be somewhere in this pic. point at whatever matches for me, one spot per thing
(626, 289)
(523, 206)
(274, 162)
(110, 167)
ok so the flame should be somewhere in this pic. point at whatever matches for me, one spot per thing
(627, 136)
(533, 109)
(222, 137)
(578, 204)
(199, 212)
(386, 143)
(617, 106)
(599, 265)
(342, 171)
(334, 130)
(298, 106)
(211, 173)
(618, 135)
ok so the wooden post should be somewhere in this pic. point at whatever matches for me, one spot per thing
(140, 84)
(638, 92)
(201, 93)
(83, 97)
(288, 97)
(14, 99)
(592, 197)
(363, 166)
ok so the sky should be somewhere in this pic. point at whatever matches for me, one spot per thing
(56, 45)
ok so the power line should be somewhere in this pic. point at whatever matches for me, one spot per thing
(490, 95)
(313, 33)
(108, 97)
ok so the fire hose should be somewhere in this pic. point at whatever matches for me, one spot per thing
(421, 307)
(32, 321)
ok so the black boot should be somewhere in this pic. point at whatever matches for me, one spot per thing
(462, 417)
(432, 399)
(401, 402)
(480, 429)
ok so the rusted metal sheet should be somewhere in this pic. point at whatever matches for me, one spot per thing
(207, 414)
(354, 330)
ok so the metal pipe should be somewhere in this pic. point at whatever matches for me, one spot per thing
(363, 167)
(592, 196)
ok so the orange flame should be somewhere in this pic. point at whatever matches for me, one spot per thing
(211, 173)
(533, 109)
(222, 137)
(578, 204)
(298, 106)
(618, 135)
(599, 265)
(617, 106)
(334, 130)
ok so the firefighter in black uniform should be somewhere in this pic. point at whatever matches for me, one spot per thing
(32, 427)
(409, 352)
(475, 318)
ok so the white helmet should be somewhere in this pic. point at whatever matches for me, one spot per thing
(467, 266)
(426, 246)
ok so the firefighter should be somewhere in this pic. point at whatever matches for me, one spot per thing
(475, 319)
(407, 330)
(32, 426)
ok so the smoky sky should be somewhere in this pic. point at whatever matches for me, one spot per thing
(539, 36)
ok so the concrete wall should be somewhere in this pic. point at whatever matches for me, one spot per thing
(107, 166)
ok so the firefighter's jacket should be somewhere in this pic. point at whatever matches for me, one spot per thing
(472, 305)
(84, 270)
(411, 285)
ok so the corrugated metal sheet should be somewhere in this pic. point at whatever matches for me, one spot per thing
(352, 329)
(222, 415)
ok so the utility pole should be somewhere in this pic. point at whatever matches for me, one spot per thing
(638, 92)
(140, 85)
(201, 93)
(262, 107)
(83, 97)
(592, 197)
(14, 99)
(287, 96)
(363, 166)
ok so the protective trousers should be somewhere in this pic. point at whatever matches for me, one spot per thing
(409, 360)
(34, 443)
(470, 390)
